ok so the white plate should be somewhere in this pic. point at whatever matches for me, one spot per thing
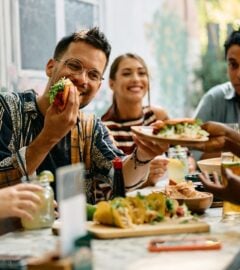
(147, 133)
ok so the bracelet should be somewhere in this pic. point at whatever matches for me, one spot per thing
(138, 162)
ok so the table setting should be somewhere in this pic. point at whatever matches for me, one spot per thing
(128, 248)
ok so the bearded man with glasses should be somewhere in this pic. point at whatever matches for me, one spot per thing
(36, 136)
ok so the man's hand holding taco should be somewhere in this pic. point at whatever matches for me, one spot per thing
(59, 92)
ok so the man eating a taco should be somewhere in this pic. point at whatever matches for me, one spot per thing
(45, 132)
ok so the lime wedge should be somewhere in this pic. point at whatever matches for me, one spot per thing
(176, 169)
(46, 174)
(176, 163)
(90, 211)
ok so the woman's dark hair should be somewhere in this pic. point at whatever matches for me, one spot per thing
(233, 39)
(92, 37)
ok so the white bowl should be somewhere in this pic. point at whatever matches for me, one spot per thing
(210, 165)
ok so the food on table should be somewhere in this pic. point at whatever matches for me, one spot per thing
(137, 209)
(155, 204)
(130, 211)
(183, 190)
(90, 211)
(114, 213)
(58, 93)
(182, 128)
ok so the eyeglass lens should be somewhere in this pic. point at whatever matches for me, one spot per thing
(75, 66)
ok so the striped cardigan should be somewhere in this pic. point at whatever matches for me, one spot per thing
(121, 129)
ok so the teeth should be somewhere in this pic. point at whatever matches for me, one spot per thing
(134, 88)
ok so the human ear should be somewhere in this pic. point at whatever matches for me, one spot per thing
(49, 67)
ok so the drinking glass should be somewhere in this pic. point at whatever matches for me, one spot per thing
(229, 160)
(231, 211)
(178, 163)
(44, 217)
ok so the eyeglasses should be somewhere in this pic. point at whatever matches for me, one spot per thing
(76, 67)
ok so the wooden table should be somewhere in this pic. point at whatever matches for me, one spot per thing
(131, 253)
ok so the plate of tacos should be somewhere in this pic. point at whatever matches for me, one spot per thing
(142, 215)
(173, 131)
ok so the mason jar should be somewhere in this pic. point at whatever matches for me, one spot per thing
(44, 217)
(178, 163)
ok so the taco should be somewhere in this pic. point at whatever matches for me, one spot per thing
(59, 92)
(114, 213)
(181, 128)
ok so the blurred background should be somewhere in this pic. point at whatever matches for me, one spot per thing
(180, 40)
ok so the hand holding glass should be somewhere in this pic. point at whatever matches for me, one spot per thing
(228, 160)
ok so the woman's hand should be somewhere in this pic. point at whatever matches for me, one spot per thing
(148, 149)
(19, 200)
(158, 167)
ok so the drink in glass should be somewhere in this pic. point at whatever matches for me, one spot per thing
(231, 211)
(178, 163)
(44, 217)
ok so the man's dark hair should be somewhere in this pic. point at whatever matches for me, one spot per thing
(93, 37)
(233, 39)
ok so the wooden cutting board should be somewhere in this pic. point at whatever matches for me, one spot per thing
(166, 227)
(169, 227)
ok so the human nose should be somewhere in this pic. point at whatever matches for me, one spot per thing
(135, 77)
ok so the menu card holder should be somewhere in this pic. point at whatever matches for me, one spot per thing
(72, 206)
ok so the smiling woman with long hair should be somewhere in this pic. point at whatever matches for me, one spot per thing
(129, 81)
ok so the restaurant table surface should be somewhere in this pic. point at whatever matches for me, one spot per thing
(132, 253)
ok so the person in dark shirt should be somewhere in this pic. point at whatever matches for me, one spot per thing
(222, 102)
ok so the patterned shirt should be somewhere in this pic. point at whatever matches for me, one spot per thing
(20, 123)
(121, 129)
